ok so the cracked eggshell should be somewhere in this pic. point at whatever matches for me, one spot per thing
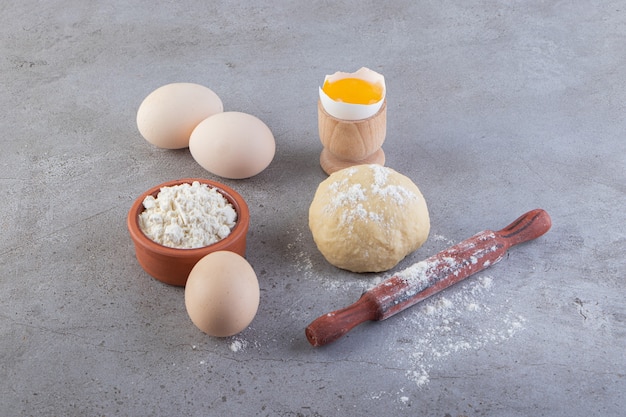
(169, 114)
(349, 111)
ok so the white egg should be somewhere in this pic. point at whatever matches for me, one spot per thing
(168, 115)
(232, 145)
(222, 294)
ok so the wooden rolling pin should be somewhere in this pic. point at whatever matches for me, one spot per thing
(428, 277)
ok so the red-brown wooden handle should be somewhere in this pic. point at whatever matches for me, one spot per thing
(428, 277)
(332, 326)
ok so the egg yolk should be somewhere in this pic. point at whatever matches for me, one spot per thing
(353, 91)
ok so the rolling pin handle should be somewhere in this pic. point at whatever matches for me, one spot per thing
(332, 326)
(527, 227)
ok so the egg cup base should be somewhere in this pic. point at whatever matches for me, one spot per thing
(331, 163)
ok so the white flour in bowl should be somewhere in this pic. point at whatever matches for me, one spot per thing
(187, 216)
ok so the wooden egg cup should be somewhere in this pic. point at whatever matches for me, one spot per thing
(351, 142)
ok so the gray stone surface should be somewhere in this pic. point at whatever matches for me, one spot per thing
(494, 108)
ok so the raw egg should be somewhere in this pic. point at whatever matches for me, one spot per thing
(222, 294)
(168, 115)
(353, 96)
(232, 145)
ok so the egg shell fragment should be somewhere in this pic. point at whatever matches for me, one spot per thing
(168, 115)
(233, 145)
(222, 294)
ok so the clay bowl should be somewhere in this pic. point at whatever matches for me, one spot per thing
(172, 265)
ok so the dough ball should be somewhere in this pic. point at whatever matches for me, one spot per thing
(367, 218)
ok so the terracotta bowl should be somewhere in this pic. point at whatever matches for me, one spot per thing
(172, 265)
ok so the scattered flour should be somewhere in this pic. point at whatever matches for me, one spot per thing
(238, 345)
(452, 322)
(473, 307)
(419, 376)
(440, 238)
(301, 258)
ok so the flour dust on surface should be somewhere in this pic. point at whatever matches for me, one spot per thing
(465, 317)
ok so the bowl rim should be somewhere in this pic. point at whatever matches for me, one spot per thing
(237, 232)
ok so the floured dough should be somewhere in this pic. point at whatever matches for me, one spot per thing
(367, 218)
